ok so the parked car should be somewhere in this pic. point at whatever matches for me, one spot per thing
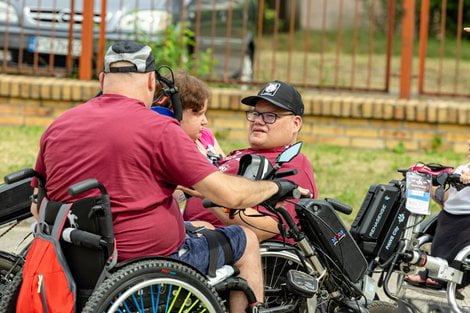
(30, 26)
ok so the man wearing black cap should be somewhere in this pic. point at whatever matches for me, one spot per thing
(275, 121)
(141, 157)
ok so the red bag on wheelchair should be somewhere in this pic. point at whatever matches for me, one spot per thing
(48, 285)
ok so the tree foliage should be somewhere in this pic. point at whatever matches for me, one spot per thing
(175, 48)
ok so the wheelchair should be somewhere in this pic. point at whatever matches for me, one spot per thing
(397, 243)
(153, 284)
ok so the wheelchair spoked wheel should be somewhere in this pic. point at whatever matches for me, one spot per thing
(9, 295)
(157, 285)
(10, 264)
(275, 265)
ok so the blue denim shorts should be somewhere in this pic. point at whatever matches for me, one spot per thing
(195, 249)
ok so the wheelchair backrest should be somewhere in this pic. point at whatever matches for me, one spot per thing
(86, 264)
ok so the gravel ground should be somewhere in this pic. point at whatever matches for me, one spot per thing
(12, 240)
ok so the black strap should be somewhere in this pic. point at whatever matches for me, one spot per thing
(217, 239)
(190, 228)
(123, 69)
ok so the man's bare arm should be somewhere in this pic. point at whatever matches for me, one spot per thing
(264, 227)
(34, 206)
(235, 191)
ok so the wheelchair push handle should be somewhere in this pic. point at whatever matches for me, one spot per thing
(23, 174)
(286, 173)
(86, 185)
(206, 203)
(339, 206)
(452, 179)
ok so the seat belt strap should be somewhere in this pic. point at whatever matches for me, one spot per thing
(217, 239)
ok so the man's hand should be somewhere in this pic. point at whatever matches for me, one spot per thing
(34, 206)
(190, 191)
(286, 189)
(465, 177)
(305, 192)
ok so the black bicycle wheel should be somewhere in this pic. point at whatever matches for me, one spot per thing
(156, 285)
(10, 264)
(382, 307)
(275, 265)
(372, 307)
(10, 294)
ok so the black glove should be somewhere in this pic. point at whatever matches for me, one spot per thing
(439, 195)
(287, 189)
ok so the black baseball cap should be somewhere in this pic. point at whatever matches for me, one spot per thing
(130, 51)
(280, 94)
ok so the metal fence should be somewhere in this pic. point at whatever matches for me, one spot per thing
(448, 72)
(352, 45)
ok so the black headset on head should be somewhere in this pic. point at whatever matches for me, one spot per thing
(170, 91)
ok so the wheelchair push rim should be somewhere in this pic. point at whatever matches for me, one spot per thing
(155, 285)
(172, 285)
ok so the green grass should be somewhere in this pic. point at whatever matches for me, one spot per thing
(340, 172)
(328, 41)
(18, 146)
(322, 65)
(347, 173)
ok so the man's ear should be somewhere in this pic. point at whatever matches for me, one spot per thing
(298, 122)
(101, 79)
(151, 82)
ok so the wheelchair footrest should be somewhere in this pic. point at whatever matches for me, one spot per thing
(223, 273)
(236, 283)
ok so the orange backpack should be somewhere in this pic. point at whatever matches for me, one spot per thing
(48, 285)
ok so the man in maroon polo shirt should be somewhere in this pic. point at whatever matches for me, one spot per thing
(141, 157)
(275, 121)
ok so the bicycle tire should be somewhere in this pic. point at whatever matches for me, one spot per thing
(8, 269)
(148, 285)
(10, 294)
(382, 307)
(372, 307)
(275, 265)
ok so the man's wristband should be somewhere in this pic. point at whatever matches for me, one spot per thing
(34, 198)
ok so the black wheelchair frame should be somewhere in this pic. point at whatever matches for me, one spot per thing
(409, 253)
(147, 283)
(150, 284)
